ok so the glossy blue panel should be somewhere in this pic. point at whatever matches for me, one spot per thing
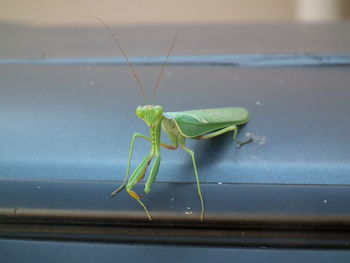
(76, 122)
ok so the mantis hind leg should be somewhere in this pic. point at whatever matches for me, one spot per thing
(233, 128)
(197, 178)
(219, 132)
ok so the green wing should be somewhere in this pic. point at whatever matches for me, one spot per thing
(195, 123)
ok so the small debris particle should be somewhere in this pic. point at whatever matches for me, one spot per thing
(256, 138)
(254, 157)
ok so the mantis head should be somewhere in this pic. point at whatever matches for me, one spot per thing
(151, 114)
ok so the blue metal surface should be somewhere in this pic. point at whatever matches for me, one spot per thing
(76, 122)
(32, 251)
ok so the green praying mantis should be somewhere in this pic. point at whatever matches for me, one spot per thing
(192, 124)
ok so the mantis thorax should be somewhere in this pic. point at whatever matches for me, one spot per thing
(151, 114)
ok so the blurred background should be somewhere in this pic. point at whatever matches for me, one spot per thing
(50, 12)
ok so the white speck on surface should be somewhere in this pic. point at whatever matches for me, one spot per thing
(254, 157)
(172, 199)
(258, 103)
(219, 182)
(256, 138)
(38, 187)
(325, 201)
(188, 208)
(188, 212)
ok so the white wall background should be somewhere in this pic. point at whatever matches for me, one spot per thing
(50, 12)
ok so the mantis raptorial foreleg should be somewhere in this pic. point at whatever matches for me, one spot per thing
(137, 135)
(140, 171)
(153, 174)
(137, 176)
(129, 161)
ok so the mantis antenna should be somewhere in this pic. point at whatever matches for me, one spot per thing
(125, 55)
(163, 66)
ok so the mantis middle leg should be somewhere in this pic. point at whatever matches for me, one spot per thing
(197, 178)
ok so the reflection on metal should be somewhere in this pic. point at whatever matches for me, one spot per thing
(244, 60)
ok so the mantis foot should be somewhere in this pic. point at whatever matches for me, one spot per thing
(118, 190)
(239, 144)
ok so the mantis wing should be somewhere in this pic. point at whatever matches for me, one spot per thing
(195, 123)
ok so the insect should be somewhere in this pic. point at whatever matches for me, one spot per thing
(179, 126)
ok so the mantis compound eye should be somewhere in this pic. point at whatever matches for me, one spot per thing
(158, 110)
(140, 112)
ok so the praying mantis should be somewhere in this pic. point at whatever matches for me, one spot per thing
(179, 126)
